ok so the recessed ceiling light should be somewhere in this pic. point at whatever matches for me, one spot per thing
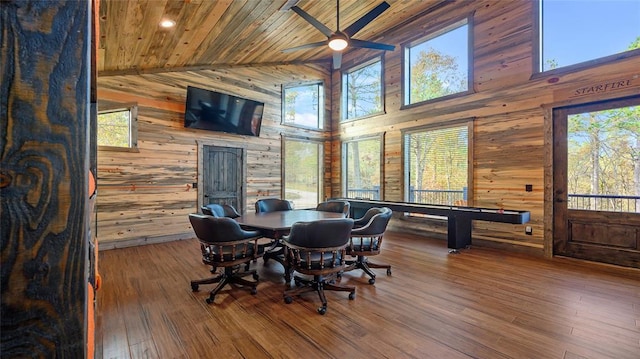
(166, 23)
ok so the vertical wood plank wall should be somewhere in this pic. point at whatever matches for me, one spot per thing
(145, 196)
(510, 140)
(44, 147)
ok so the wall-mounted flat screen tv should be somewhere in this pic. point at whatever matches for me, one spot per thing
(215, 111)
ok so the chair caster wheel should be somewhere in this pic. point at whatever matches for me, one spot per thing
(255, 276)
(388, 271)
(194, 287)
(209, 300)
(372, 281)
(322, 310)
(254, 291)
(288, 300)
(352, 295)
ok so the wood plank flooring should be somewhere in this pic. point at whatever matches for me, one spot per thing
(482, 303)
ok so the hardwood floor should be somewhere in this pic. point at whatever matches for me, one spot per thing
(482, 303)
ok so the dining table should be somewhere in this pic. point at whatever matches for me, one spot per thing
(276, 225)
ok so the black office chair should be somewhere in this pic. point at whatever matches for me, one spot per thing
(336, 206)
(317, 249)
(220, 210)
(224, 244)
(366, 240)
(273, 205)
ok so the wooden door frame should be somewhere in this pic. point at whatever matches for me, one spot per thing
(549, 153)
(200, 180)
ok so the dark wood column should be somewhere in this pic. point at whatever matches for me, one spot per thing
(45, 66)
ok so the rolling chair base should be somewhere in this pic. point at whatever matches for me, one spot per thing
(230, 276)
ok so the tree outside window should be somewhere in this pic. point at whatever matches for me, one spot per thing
(302, 172)
(438, 65)
(362, 90)
(117, 129)
(603, 171)
(303, 105)
(436, 166)
(361, 168)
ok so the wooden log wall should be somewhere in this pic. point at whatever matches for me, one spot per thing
(509, 104)
(44, 182)
(145, 196)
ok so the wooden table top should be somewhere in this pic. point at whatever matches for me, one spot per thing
(283, 220)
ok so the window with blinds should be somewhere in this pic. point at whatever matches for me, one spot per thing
(361, 161)
(437, 165)
(302, 172)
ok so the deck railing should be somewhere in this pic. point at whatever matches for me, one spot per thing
(590, 202)
(364, 193)
(438, 196)
(601, 202)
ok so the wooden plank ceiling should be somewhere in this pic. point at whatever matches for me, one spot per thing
(214, 34)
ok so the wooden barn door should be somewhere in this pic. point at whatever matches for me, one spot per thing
(223, 176)
(597, 182)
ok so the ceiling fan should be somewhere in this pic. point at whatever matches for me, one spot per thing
(341, 39)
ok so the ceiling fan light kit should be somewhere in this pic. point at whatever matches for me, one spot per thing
(340, 40)
(338, 43)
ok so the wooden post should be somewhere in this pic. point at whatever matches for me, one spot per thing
(44, 150)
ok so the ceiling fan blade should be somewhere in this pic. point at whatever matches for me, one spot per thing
(367, 18)
(337, 60)
(307, 46)
(317, 24)
(371, 45)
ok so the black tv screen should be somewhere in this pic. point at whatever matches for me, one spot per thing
(215, 111)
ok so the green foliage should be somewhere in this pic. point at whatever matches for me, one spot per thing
(435, 75)
(635, 44)
(438, 159)
(363, 91)
(113, 129)
(604, 152)
(301, 165)
(363, 164)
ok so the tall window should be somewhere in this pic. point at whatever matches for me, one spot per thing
(438, 65)
(362, 90)
(303, 105)
(117, 129)
(573, 32)
(436, 165)
(303, 172)
(361, 168)
(603, 165)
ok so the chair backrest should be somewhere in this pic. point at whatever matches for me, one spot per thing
(272, 205)
(212, 229)
(220, 210)
(336, 206)
(362, 221)
(324, 233)
(377, 223)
